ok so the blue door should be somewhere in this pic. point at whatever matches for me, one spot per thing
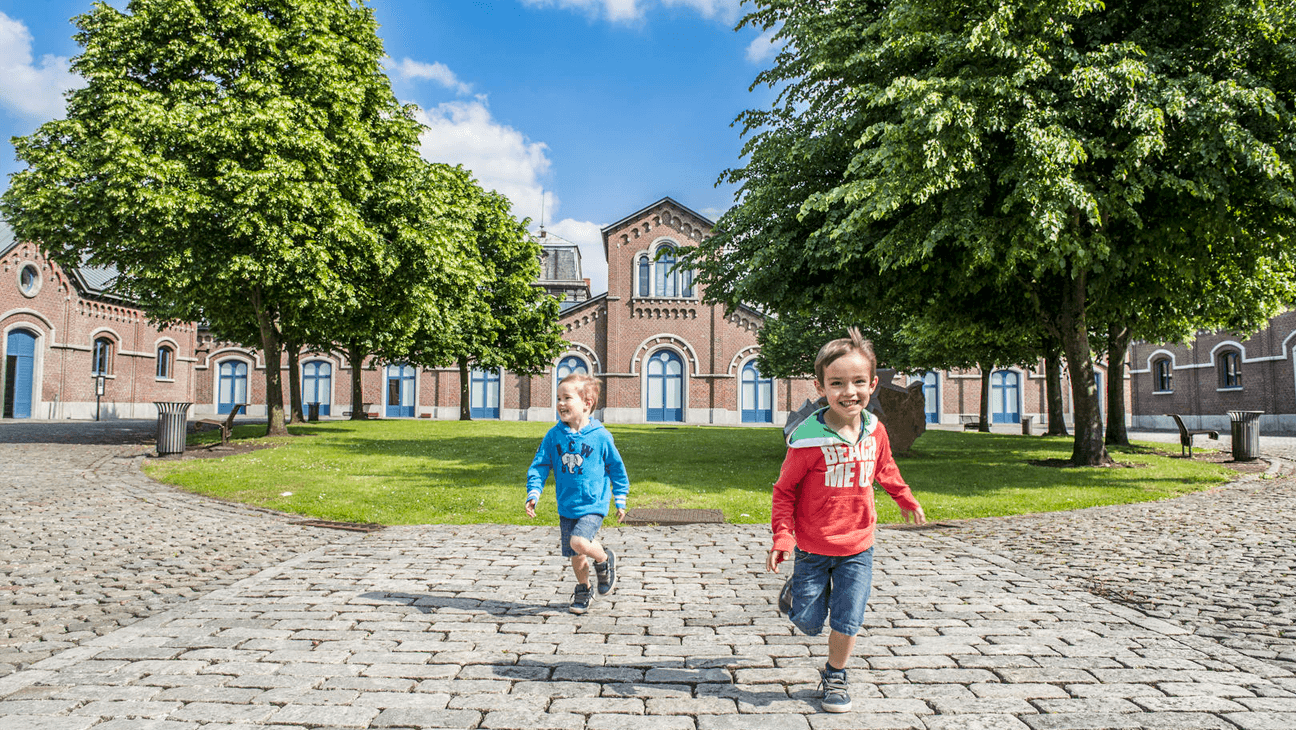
(931, 396)
(1005, 395)
(569, 365)
(20, 369)
(665, 387)
(1102, 396)
(317, 385)
(757, 396)
(232, 385)
(484, 394)
(400, 391)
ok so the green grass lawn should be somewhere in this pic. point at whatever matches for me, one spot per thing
(421, 472)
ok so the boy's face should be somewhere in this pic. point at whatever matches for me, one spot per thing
(847, 383)
(573, 409)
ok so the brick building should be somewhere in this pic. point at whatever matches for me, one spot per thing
(1216, 373)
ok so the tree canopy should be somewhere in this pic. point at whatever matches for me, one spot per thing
(1062, 151)
(235, 162)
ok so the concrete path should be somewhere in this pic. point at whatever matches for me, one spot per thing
(164, 611)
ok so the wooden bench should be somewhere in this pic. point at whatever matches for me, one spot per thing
(226, 425)
(970, 423)
(364, 411)
(1186, 436)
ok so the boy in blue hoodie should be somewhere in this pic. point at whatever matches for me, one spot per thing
(587, 472)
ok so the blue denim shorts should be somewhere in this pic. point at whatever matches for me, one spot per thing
(832, 587)
(569, 527)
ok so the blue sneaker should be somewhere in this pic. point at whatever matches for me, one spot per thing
(836, 698)
(606, 572)
(581, 598)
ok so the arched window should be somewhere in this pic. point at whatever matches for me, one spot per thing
(645, 276)
(165, 359)
(757, 395)
(1004, 397)
(484, 394)
(101, 356)
(1162, 375)
(1230, 369)
(317, 385)
(665, 373)
(231, 389)
(571, 364)
(29, 280)
(670, 281)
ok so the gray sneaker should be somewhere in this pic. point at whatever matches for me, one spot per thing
(581, 598)
(606, 573)
(834, 685)
(785, 598)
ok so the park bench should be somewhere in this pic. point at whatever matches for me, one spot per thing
(364, 411)
(226, 424)
(970, 423)
(1186, 436)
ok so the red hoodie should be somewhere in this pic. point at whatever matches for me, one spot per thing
(823, 499)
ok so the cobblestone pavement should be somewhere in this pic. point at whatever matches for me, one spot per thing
(466, 627)
(88, 544)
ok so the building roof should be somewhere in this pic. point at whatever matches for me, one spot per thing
(645, 209)
(91, 280)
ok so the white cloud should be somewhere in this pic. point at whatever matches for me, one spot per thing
(31, 91)
(713, 213)
(409, 69)
(762, 49)
(625, 10)
(588, 237)
(499, 156)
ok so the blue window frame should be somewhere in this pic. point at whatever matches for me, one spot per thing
(101, 356)
(669, 281)
(1102, 395)
(20, 369)
(1005, 395)
(400, 391)
(645, 277)
(665, 387)
(484, 394)
(1164, 375)
(931, 396)
(232, 385)
(571, 364)
(165, 357)
(757, 395)
(317, 385)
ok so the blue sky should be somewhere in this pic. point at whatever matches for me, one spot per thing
(605, 105)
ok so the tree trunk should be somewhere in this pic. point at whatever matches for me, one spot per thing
(1118, 339)
(356, 356)
(295, 414)
(1053, 389)
(1073, 333)
(265, 314)
(985, 399)
(465, 406)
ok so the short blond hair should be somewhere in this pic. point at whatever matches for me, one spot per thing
(587, 385)
(853, 342)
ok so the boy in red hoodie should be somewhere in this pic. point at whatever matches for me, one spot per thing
(823, 507)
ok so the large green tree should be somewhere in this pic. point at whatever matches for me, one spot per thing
(222, 157)
(1055, 147)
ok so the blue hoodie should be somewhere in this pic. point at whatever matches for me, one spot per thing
(587, 470)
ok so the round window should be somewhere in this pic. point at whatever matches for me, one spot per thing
(29, 280)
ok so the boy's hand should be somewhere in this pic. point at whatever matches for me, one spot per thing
(776, 557)
(621, 514)
(530, 507)
(915, 516)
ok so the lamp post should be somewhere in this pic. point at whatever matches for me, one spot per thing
(99, 391)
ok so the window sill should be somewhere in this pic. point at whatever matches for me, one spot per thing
(164, 380)
(1229, 389)
(1163, 392)
(105, 376)
(663, 299)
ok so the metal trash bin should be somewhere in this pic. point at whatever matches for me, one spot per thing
(172, 427)
(312, 411)
(1026, 425)
(1246, 434)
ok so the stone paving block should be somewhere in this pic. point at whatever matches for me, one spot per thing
(514, 720)
(925, 691)
(640, 722)
(221, 712)
(1131, 721)
(404, 717)
(1262, 720)
(1196, 703)
(419, 700)
(857, 720)
(625, 689)
(127, 708)
(598, 705)
(332, 716)
(973, 722)
(55, 722)
(146, 725)
(982, 706)
(752, 722)
(493, 702)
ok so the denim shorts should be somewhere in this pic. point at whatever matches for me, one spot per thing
(832, 587)
(569, 527)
